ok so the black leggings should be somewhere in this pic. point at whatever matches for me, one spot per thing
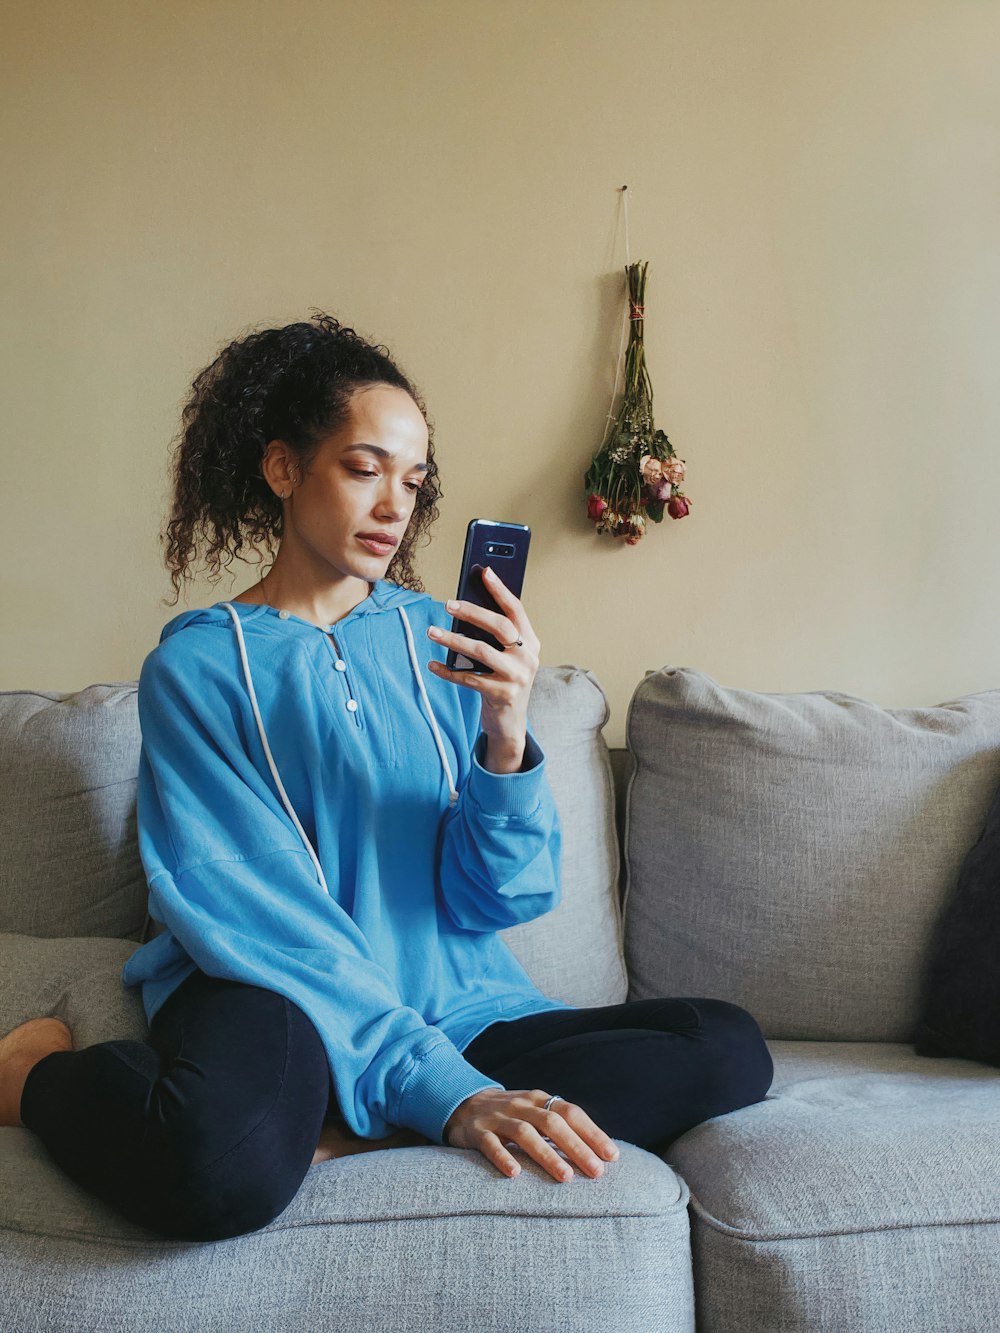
(207, 1130)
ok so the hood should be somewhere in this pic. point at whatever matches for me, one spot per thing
(385, 599)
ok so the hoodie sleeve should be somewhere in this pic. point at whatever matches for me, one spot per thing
(233, 882)
(499, 846)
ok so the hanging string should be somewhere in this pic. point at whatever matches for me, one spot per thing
(625, 321)
(628, 252)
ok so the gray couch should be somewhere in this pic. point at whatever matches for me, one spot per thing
(786, 852)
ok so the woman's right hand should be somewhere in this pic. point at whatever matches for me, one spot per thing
(495, 1117)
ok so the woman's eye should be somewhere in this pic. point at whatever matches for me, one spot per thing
(413, 485)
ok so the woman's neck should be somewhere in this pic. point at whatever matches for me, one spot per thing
(268, 594)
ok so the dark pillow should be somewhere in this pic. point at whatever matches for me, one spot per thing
(960, 1002)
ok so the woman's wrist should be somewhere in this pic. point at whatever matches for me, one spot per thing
(503, 756)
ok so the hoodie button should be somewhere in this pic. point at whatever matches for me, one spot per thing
(340, 665)
(283, 615)
(352, 704)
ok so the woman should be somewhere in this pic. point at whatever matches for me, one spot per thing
(334, 828)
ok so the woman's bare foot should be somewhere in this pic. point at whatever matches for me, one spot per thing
(20, 1051)
(338, 1141)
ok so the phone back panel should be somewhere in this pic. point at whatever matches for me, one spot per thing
(504, 548)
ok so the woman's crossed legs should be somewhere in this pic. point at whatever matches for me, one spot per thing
(645, 1071)
(208, 1130)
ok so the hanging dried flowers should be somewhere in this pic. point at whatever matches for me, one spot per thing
(635, 474)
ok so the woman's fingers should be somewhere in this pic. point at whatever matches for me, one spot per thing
(497, 1120)
(530, 1140)
(462, 643)
(568, 1127)
(492, 1148)
(590, 1137)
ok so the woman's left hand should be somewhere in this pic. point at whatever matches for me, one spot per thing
(505, 693)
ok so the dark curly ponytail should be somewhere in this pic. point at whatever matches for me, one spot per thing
(295, 384)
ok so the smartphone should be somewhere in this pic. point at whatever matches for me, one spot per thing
(504, 548)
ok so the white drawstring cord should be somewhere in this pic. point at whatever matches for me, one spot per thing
(452, 793)
(267, 749)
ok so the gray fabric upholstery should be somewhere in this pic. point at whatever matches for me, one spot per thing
(430, 1239)
(862, 1193)
(574, 953)
(790, 852)
(68, 767)
(77, 980)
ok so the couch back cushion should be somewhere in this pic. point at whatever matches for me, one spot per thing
(574, 953)
(791, 852)
(69, 862)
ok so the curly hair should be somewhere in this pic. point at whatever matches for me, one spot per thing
(295, 384)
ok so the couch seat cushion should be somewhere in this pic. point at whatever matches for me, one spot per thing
(852, 1135)
(429, 1237)
(866, 1170)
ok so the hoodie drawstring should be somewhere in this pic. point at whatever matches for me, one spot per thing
(452, 792)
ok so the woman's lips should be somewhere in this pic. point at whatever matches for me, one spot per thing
(379, 548)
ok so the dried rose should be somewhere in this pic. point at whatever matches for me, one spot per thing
(596, 507)
(650, 469)
(678, 506)
(673, 470)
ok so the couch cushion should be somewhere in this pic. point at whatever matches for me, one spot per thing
(77, 980)
(790, 852)
(388, 1241)
(867, 1178)
(69, 861)
(574, 953)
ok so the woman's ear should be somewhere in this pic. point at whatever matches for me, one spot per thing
(278, 467)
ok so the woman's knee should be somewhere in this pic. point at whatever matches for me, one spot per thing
(231, 1153)
(199, 1210)
(243, 1191)
(743, 1063)
(213, 1103)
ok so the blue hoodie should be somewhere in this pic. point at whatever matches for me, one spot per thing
(314, 817)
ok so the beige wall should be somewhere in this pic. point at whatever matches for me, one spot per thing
(816, 188)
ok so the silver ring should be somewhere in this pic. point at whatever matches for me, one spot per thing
(518, 643)
(554, 1098)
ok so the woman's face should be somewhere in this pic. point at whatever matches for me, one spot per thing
(350, 489)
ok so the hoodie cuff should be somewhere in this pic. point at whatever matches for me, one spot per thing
(508, 795)
(438, 1084)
